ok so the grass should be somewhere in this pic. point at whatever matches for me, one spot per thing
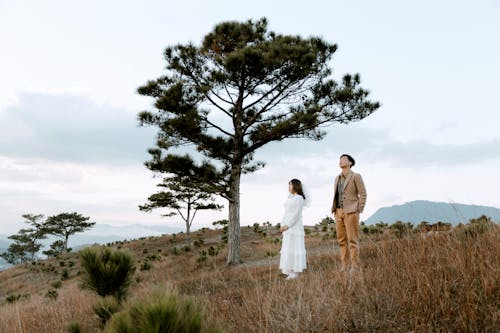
(446, 282)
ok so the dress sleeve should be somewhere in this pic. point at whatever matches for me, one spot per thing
(292, 214)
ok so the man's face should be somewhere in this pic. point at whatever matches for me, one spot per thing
(344, 162)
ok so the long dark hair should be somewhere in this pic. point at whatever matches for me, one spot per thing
(297, 187)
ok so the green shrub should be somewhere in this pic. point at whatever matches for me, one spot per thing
(64, 274)
(107, 271)
(56, 284)
(199, 242)
(106, 308)
(212, 251)
(160, 313)
(75, 328)
(15, 297)
(52, 293)
(202, 256)
(145, 266)
(271, 253)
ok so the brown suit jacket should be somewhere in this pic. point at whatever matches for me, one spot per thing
(354, 193)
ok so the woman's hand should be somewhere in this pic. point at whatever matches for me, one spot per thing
(283, 228)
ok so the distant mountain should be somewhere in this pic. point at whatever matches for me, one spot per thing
(421, 210)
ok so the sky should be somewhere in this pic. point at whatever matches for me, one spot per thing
(69, 71)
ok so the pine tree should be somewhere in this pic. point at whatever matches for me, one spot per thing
(183, 197)
(26, 242)
(66, 224)
(241, 89)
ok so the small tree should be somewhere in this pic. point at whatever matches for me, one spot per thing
(66, 224)
(182, 194)
(242, 88)
(56, 249)
(26, 242)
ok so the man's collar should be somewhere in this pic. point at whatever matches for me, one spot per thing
(346, 174)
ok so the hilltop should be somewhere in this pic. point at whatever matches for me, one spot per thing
(448, 281)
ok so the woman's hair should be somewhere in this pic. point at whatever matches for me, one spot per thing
(297, 187)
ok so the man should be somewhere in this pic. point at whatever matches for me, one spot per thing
(349, 200)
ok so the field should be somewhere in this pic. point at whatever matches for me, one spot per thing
(445, 281)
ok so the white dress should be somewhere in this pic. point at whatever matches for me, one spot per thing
(293, 250)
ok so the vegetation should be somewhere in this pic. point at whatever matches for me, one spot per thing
(64, 225)
(242, 88)
(107, 272)
(182, 194)
(26, 242)
(435, 281)
(160, 313)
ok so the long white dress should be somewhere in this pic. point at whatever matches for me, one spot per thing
(293, 250)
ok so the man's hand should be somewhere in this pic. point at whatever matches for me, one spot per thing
(283, 228)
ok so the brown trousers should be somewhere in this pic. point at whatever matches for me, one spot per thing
(347, 226)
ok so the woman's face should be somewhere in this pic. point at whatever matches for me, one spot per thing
(290, 188)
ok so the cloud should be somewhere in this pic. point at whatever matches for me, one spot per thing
(69, 127)
(376, 145)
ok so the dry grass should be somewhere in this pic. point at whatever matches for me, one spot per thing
(443, 283)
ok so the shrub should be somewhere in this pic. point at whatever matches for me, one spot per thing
(15, 297)
(106, 308)
(199, 242)
(271, 253)
(75, 328)
(212, 251)
(160, 313)
(107, 271)
(145, 266)
(202, 256)
(64, 274)
(52, 293)
(56, 284)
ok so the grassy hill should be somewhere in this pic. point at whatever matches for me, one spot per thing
(444, 281)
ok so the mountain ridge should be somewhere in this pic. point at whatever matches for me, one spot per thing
(432, 211)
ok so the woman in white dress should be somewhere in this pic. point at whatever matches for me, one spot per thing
(293, 250)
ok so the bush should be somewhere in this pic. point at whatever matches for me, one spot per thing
(160, 313)
(15, 297)
(52, 293)
(75, 328)
(56, 284)
(145, 266)
(199, 242)
(202, 256)
(65, 274)
(476, 227)
(106, 308)
(212, 251)
(107, 271)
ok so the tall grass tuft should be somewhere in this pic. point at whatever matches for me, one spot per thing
(161, 312)
(107, 272)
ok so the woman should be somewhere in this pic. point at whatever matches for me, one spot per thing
(293, 250)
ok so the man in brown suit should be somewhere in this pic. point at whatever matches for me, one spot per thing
(349, 200)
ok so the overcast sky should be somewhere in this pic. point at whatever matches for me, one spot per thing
(70, 141)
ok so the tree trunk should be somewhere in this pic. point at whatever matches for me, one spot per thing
(188, 239)
(233, 232)
(66, 243)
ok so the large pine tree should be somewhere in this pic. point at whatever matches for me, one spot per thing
(242, 88)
